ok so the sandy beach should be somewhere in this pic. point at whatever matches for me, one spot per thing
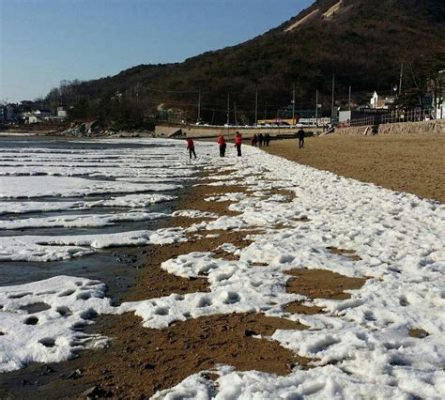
(141, 361)
(406, 163)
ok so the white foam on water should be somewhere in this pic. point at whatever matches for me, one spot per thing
(126, 201)
(42, 186)
(140, 178)
(53, 248)
(80, 221)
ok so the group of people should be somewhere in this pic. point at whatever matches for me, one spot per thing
(256, 139)
(260, 139)
(221, 143)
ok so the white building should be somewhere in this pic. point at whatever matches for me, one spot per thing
(36, 116)
(374, 100)
(380, 103)
(61, 112)
(33, 119)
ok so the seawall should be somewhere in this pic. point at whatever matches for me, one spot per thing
(197, 131)
(402, 128)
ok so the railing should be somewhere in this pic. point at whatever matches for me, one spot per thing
(391, 117)
(363, 121)
(405, 116)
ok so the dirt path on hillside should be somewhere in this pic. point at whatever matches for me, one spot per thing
(411, 163)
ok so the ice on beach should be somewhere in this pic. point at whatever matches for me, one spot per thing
(52, 332)
(126, 201)
(52, 248)
(316, 383)
(194, 214)
(361, 347)
(42, 186)
(80, 221)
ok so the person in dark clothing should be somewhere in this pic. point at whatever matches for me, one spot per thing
(300, 135)
(266, 139)
(254, 140)
(260, 140)
(238, 141)
(222, 146)
(191, 148)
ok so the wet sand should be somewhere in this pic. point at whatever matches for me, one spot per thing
(411, 163)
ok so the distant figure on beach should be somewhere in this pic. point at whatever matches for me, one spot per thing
(222, 146)
(260, 140)
(300, 135)
(191, 148)
(266, 139)
(254, 140)
(238, 141)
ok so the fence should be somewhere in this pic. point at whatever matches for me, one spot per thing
(363, 121)
(392, 118)
(406, 116)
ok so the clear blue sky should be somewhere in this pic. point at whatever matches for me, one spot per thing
(45, 41)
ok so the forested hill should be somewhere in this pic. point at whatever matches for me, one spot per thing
(362, 42)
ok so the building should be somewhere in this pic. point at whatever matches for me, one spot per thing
(35, 116)
(32, 119)
(381, 103)
(61, 112)
(43, 114)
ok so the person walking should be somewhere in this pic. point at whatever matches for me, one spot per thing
(222, 146)
(191, 148)
(260, 140)
(238, 142)
(300, 135)
(266, 139)
(254, 140)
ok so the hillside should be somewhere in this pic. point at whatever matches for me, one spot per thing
(362, 42)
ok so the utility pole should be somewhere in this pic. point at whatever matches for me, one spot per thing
(316, 107)
(234, 112)
(293, 106)
(256, 105)
(401, 79)
(137, 93)
(349, 99)
(333, 113)
(228, 108)
(199, 105)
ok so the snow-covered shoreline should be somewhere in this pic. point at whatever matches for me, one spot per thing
(362, 345)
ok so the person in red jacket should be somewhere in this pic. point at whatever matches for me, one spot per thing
(191, 147)
(238, 141)
(222, 146)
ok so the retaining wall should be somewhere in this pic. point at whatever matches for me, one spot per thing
(193, 131)
(402, 128)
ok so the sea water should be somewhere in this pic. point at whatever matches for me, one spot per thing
(79, 207)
